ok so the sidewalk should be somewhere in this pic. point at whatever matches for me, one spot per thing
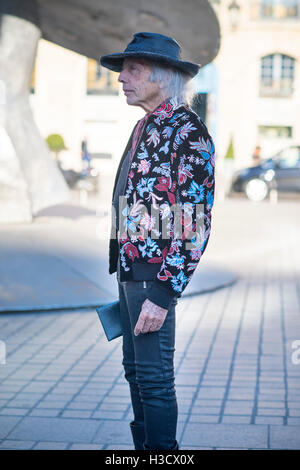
(237, 382)
(61, 261)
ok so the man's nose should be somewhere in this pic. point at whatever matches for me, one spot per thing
(122, 77)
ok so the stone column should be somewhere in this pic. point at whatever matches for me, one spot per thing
(29, 177)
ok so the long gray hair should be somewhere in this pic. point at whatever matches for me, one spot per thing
(175, 84)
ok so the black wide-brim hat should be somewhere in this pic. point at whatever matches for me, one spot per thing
(152, 46)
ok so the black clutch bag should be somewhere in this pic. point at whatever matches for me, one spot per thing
(109, 316)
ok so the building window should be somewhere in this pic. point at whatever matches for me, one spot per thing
(100, 80)
(275, 132)
(277, 75)
(279, 9)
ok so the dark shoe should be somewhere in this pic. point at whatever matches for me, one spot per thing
(138, 435)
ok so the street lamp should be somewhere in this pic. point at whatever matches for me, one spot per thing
(234, 13)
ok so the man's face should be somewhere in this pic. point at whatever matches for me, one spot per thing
(139, 91)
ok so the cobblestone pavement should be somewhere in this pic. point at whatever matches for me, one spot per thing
(237, 374)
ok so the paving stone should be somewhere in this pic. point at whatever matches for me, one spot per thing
(183, 408)
(294, 411)
(86, 447)
(240, 394)
(207, 410)
(52, 404)
(271, 411)
(45, 412)
(19, 445)
(13, 385)
(293, 421)
(195, 448)
(51, 446)
(82, 405)
(36, 386)
(109, 399)
(113, 432)
(7, 395)
(55, 429)
(270, 404)
(57, 353)
(7, 424)
(237, 419)
(232, 448)
(238, 410)
(58, 396)
(14, 411)
(206, 402)
(113, 407)
(116, 415)
(206, 392)
(182, 417)
(268, 397)
(187, 379)
(119, 447)
(203, 418)
(76, 414)
(226, 435)
(285, 437)
(269, 420)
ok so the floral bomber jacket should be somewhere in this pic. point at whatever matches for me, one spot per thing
(173, 164)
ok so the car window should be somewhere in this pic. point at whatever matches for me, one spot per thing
(289, 158)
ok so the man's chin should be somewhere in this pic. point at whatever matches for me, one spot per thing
(131, 101)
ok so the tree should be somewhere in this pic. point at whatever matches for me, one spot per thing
(56, 144)
(230, 151)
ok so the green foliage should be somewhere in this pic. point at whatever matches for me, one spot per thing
(56, 143)
(230, 151)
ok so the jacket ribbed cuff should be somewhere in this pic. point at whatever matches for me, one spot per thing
(160, 295)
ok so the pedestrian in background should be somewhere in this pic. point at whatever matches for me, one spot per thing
(256, 157)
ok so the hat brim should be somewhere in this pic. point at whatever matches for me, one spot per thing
(115, 61)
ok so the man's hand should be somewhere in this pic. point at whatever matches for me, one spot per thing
(151, 318)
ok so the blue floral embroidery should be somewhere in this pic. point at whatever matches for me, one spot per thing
(176, 260)
(129, 221)
(145, 185)
(179, 281)
(165, 148)
(183, 152)
(167, 132)
(196, 191)
(148, 248)
(209, 199)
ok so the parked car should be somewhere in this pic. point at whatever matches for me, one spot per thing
(280, 172)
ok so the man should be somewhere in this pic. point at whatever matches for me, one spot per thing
(168, 162)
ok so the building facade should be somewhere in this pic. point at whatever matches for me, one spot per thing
(259, 77)
(249, 96)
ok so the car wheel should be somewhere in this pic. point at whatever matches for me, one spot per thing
(256, 190)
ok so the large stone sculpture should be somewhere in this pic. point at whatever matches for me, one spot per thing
(29, 178)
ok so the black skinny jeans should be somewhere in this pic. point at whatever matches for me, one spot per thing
(148, 361)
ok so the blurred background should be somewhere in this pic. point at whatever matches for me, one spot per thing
(249, 97)
(64, 123)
